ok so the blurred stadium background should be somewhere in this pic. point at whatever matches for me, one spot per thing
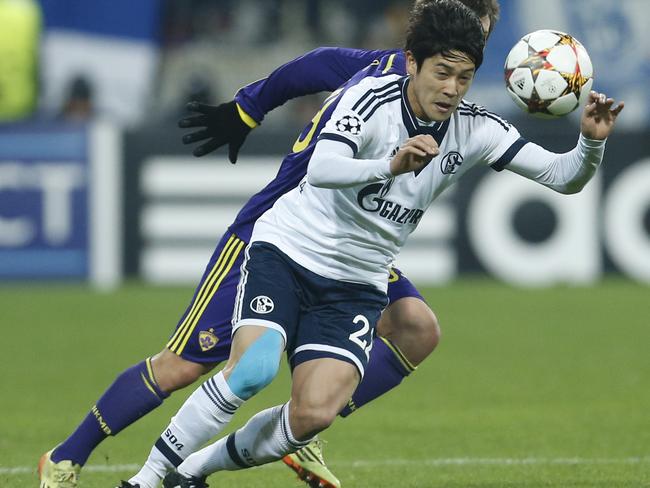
(96, 191)
(95, 185)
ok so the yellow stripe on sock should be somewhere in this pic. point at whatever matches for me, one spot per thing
(150, 372)
(233, 257)
(148, 385)
(177, 338)
(399, 355)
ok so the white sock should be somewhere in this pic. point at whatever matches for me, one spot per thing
(266, 437)
(203, 415)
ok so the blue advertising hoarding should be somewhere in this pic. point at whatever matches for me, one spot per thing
(44, 202)
(54, 215)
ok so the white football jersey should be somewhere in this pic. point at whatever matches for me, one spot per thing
(354, 233)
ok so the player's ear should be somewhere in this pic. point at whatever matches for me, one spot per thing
(411, 64)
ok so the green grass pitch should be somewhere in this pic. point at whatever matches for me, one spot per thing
(527, 389)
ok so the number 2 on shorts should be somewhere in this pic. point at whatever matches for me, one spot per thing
(357, 337)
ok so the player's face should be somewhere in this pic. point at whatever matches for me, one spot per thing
(436, 89)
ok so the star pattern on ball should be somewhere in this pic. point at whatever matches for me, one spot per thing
(548, 73)
(349, 124)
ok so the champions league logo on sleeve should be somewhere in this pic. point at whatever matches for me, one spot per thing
(450, 163)
(349, 124)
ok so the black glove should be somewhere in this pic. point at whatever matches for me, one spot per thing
(221, 125)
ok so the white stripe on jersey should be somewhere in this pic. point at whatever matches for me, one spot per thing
(236, 317)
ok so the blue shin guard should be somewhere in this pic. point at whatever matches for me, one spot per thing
(258, 365)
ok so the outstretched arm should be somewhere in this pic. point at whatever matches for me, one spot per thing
(569, 172)
(323, 69)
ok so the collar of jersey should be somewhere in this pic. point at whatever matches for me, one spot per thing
(437, 131)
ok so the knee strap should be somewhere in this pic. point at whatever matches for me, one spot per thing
(258, 365)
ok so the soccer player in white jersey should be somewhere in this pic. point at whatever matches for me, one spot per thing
(406, 334)
(314, 278)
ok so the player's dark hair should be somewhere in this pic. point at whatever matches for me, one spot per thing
(482, 8)
(443, 26)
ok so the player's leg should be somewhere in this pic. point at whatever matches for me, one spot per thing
(308, 462)
(328, 352)
(320, 389)
(254, 362)
(201, 340)
(407, 333)
(266, 299)
(138, 386)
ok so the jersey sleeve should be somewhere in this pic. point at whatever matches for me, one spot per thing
(323, 69)
(505, 152)
(498, 141)
(333, 165)
(353, 121)
(502, 147)
(350, 129)
(565, 172)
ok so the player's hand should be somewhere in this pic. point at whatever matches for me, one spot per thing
(220, 124)
(598, 117)
(414, 154)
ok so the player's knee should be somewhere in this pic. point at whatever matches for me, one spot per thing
(258, 365)
(426, 329)
(418, 322)
(309, 420)
(172, 372)
(251, 377)
(413, 327)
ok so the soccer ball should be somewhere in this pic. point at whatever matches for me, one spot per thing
(548, 73)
